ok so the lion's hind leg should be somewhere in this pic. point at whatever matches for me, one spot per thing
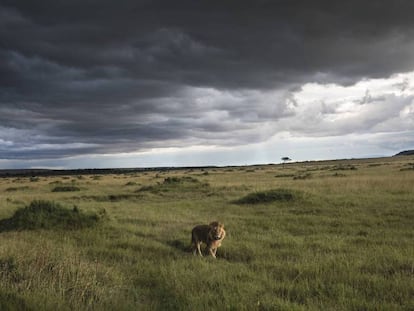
(195, 245)
(196, 248)
(199, 249)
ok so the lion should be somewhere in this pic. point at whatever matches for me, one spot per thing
(212, 235)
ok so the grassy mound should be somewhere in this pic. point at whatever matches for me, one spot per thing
(275, 195)
(49, 215)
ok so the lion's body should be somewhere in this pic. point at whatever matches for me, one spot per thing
(212, 235)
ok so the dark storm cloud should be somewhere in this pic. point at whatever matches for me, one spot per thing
(103, 76)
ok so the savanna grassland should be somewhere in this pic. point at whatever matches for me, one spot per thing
(333, 235)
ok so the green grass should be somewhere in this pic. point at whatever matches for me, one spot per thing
(320, 243)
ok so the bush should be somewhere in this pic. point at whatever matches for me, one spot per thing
(49, 215)
(276, 195)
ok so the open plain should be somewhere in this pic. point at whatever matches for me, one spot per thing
(329, 235)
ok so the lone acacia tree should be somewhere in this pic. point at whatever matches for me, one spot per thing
(286, 159)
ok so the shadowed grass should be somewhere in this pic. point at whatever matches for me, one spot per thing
(12, 189)
(12, 302)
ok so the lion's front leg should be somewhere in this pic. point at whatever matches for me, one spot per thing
(212, 251)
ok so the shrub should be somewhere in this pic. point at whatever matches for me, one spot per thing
(276, 195)
(49, 215)
(65, 189)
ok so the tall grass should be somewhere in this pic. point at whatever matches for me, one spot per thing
(322, 243)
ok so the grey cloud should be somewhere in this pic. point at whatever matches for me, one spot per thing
(221, 46)
(131, 75)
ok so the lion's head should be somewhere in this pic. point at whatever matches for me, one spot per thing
(216, 230)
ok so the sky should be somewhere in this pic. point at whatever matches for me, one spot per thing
(140, 83)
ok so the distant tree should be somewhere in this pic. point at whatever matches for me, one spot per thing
(286, 159)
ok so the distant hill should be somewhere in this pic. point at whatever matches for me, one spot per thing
(90, 171)
(406, 152)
